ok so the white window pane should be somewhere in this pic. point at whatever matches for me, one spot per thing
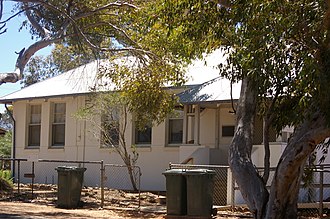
(59, 112)
(35, 114)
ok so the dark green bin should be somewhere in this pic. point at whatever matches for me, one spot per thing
(70, 180)
(176, 192)
(200, 187)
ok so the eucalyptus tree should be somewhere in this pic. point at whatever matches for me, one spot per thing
(280, 51)
(78, 23)
(102, 29)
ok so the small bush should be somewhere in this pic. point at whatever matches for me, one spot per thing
(6, 181)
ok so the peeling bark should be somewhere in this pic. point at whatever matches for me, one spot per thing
(250, 183)
(9, 78)
(285, 187)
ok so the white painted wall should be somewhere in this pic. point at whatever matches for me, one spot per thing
(81, 144)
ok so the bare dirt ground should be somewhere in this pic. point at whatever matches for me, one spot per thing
(117, 205)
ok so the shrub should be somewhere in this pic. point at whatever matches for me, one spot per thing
(6, 181)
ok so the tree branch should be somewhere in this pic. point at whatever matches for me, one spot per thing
(9, 77)
(223, 3)
(29, 52)
(43, 31)
(78, 31)
(114, 4)
(11, 17)
(1, 9)
(121, 31)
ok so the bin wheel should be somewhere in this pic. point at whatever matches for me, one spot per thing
(214, 211)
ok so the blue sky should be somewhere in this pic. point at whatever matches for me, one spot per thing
(10, 42)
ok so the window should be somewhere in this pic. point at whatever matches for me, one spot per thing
(110, 130)
(34, 126)
(143, 136)
(175, 128)
(228, 131)
(190, 124)
(58, 124)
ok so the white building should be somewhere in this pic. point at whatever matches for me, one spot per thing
(45, 127)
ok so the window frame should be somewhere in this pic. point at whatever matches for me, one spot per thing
(232, 132)
(148, 128)
(31, 124)
(176, 116)
(54, 124)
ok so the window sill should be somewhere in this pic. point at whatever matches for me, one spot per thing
(173, 145)
(189, 145)
(56, 147)
(109, 148)
(32, 147)
(142, 145)
(143, 148)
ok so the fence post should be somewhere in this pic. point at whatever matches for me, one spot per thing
(321, 193)
(32, 177)
(18, 175)
(230, 188)
(139, 186)
(102, 183)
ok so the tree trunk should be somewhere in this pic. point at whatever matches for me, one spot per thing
(265, 134)
(132, 178)
(250, 183)
(285, 186)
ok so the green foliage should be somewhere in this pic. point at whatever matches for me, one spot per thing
(142, 87)
(61, 59)
(6, 144)
(6, 121)
(93, 23)
(6, 181)
(38, 68)
(67, 57)
(104, 29)
(282, 46)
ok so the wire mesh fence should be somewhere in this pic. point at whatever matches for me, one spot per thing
(122, 177)
(314, 192)
(46, 172)
(314, 195)
(98, 180)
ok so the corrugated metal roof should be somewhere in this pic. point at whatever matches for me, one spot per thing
(76, 81)
(217, 89)
(205, 84)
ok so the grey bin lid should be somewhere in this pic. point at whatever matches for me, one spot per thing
(200, 172)
(70, 168)
(174, 172)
